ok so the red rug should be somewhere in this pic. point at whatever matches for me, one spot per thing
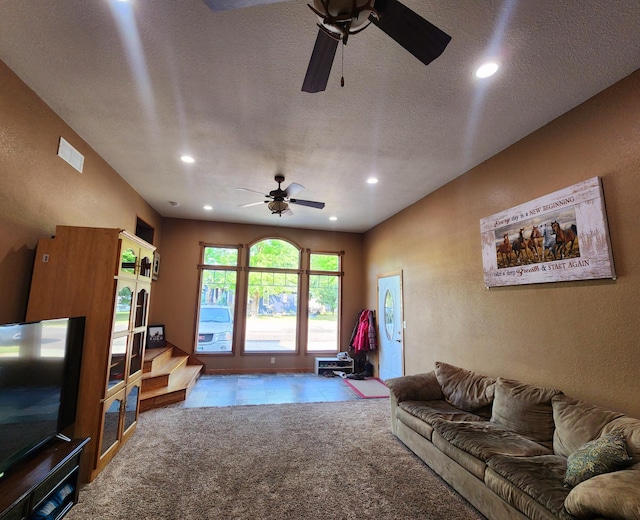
(370, 388)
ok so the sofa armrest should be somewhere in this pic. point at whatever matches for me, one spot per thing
(611, 495)
(419, 387)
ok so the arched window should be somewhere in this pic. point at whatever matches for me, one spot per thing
(272, 297)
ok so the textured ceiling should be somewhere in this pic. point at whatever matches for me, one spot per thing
(147, 81)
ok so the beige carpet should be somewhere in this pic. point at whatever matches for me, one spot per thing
(285, 461)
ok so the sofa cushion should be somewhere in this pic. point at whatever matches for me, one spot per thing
(485, 439)
(540, 478)
(464, 389)
(524, 409)
(630, 428)
(418, 387)
(472, 464)
(577, 422)
(612, 495)
(430, 411)
(602, 455)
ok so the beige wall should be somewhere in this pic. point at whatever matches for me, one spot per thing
(581, 337)
(175, 293)
(38, 190)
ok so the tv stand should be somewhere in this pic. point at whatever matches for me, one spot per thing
(46, 480)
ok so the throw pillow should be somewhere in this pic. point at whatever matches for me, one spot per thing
(464, 389)
(602, 455)
(525, 409)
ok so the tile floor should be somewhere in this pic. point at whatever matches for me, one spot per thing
(230, 390)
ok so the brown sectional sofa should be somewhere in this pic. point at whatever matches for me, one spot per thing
(506, 446)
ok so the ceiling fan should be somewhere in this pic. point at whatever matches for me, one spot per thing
(278, 200)
(341, 18)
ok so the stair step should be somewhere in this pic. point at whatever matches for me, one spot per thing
(178, 388)
(161, 374)
(156, 356)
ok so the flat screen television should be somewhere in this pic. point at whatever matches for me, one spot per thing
(39, 378)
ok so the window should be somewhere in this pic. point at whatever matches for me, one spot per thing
(324, 299)
(218, 281)
(272, 297)
(274, 288)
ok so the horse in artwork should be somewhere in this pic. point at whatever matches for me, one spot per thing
(548, 241)
(505, 249)
(565, 238)
(519, 245)
(534, 242)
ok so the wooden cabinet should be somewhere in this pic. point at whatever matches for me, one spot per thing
(45, 481)
(105, 275)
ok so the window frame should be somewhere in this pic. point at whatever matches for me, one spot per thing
(202, 268)
(299, 272)
(339, 273)
(241, 297)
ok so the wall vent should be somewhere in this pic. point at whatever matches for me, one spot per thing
(70, 154)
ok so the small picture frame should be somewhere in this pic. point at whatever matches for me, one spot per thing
(155, 336)
(156, 266)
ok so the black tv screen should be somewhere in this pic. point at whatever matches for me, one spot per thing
(39, 377)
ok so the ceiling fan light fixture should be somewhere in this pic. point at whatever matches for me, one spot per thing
(343, 17)
(278, 207)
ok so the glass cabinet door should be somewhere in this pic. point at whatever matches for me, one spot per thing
(111, 423)
(131, 407)
(141, 306)
(129, 252)
(145, 265)
(124, 306)
(117, 361)
(137, 353)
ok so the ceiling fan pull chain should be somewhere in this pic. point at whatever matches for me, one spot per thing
(342, 78)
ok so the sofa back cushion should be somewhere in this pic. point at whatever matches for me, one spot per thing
(525, 409)
(577, 423)
(630, 428)
(463, 388)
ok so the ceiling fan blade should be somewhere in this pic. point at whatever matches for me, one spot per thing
(248, 205)
(420, 37)
(294, 188)
(309, 203)
(225, 5)
(320, 64)
(252, 191)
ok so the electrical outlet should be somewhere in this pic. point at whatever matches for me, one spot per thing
(273, 361)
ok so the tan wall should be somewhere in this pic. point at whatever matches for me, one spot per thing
(38, 190)
(581, 337)
(176, 291)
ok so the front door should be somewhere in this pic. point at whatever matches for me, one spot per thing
(391, 356)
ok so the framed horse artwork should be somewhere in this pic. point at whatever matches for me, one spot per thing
(563, 236)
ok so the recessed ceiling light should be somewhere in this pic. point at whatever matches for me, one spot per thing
(208, 208)
(372, 180)
(187, 159)
(487, 69)
(333, 218)
(174, 203)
